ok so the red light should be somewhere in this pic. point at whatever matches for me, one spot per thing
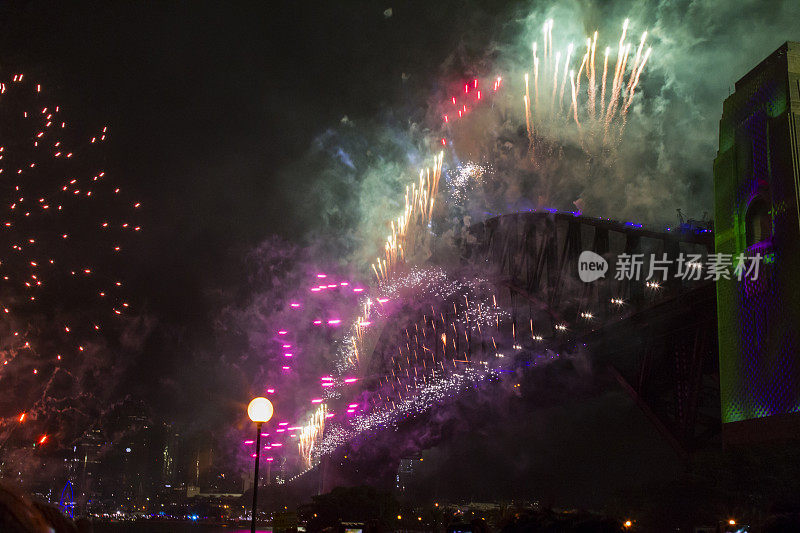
(454, 100)
(466, 88)
(444, 143)
(445, 119)
(43, 439)
(479, 95)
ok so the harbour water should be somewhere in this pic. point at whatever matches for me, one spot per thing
(148, 526)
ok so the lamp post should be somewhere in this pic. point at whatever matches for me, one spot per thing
(259, 411)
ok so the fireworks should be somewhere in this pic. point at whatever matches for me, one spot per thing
(472, 95)
(435, 358)
(311, 433)
(575, 101)
(424, 371)
(422, 335)
(463, 178)
(427, 395)
(420, 200)
(65, 224)
(604, 116)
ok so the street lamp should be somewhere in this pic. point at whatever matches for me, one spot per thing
(259, 411)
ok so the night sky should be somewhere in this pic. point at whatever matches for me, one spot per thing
(214, 110)
(206, 104)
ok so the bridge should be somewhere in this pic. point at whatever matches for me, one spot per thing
(658, 338)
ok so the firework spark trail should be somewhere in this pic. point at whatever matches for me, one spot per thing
(605, 75)
(527, 100)
(64, 224)
(420, 200)
(310, 435)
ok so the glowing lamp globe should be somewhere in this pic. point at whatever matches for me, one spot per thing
(260, 410)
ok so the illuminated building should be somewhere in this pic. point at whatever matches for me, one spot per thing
(405, 473)
(169, 454)
(756, 187)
